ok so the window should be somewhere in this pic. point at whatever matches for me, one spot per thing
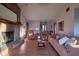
(43, 27)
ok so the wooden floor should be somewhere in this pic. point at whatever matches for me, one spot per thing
(30, 48)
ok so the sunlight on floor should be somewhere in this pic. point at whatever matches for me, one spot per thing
(75, 46)
(25, 40)
(23, 47)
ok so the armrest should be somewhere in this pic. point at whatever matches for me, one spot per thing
(57, 47)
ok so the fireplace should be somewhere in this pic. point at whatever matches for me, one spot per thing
(8, 36)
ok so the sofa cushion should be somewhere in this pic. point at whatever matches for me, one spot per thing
(71, 41)
(63, 40)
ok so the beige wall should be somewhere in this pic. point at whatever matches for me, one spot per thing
(68, 18)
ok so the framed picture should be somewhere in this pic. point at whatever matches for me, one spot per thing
(61, 26)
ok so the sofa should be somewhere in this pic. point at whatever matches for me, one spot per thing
(68, 50)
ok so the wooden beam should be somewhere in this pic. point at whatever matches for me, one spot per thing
(9, 22)
(12, 6)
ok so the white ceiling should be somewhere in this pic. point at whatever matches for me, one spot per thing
(42, 12)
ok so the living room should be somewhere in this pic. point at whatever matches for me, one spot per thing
(54, 24)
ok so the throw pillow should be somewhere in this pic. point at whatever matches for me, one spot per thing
(63, 40)
(71, 41)
(53, 35)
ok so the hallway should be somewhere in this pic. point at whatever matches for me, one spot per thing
(30, 48)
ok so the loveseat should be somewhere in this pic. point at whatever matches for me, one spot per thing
(68, 50)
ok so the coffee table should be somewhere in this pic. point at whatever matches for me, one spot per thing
(41, 43)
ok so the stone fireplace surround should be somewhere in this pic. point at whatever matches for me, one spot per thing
(8, 38)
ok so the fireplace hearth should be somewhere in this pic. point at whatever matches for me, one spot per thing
(5, 39)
